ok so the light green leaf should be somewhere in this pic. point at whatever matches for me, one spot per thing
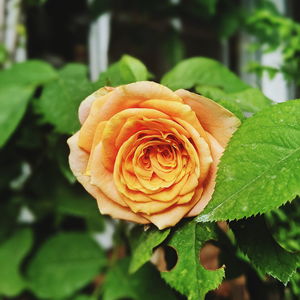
(13, 104)
(218, 96)
(61, 98)
(249, 100)
(17, 85)
(212, 92)
(188, 276)
(260, 169)
(145, 284)
(30, 73)
(128, 69)
(202, 71)
(132, 67)
(255, 240)
(64, 264)
(12, 253)
(142, 243)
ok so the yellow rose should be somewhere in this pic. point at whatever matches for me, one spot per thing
(148, 154)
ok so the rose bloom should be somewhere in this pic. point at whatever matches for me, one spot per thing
(148, 154)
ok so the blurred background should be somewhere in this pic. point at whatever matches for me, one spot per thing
(53, 242)
(245, 35)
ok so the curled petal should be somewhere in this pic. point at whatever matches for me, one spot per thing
(85, 105)
(214, 118)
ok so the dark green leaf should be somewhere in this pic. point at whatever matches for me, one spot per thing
(74, 202)
(145, 284)
(61, 98)
(188, 276)
(210, 5)
(82, 297)
(202, 71)
(61, 155)
(260, 169)
(255, 240)
(12, 253)
(65, 263)
(142, 243)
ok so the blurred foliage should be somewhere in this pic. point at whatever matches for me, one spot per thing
(274, 31)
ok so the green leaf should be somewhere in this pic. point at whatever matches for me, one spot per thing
(142, 243)
(30, 73)
(188, 276)
(132, 67)
(61, 98)
(218, 96)
(12, 252)
(128, 69)
(74, 202)
(249, 100)
(210, 5)
(260, 169)
(145, 284)
(64, 264)
(17, 86)
(82, 297)
(13, 104)
(61, 154)
(202, 71)
(255, 240)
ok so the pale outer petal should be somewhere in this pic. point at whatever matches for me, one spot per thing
(216, 151)
(78, 160)
(85, 105)
(214, 118)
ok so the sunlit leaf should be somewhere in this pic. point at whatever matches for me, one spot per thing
(202, 71)
(260, 169)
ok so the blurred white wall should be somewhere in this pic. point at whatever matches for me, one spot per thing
(99, 36)
(276, 88)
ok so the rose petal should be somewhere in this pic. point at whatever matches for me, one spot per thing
(217, 151)
(78, 159)
(85, 105)
(214, 118)
(170, 217)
